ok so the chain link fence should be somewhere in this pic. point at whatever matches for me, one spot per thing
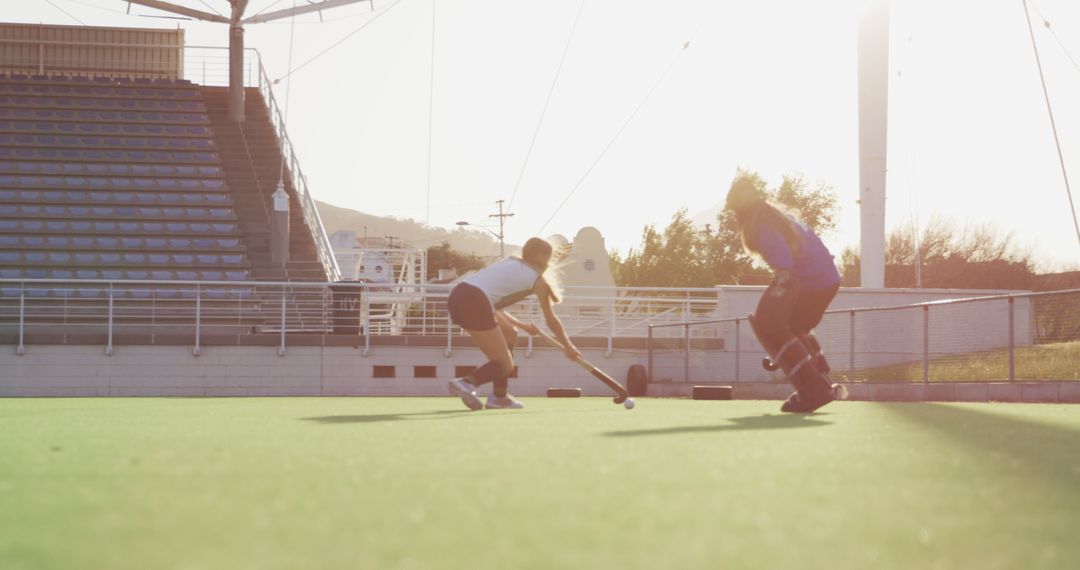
(1017, 337)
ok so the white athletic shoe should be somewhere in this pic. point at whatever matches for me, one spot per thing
(466, 392)
(507, 403)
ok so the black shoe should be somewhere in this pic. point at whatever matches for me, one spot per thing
(799, 404)
(795, 405)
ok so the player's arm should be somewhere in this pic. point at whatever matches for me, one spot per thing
(527, 327)
(543, 293)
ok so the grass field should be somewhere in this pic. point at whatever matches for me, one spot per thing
(386, 483)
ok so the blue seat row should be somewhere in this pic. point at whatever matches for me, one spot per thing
(136, 292)
(122, 243)
(104, 128)
(8, 167)
(107, 142)
(34, 108)
(96, 80)
(10, 181)
(37, 88)
(113, 228)
(28, 210)
(36, 102)
(103, 155)
(66, 258)
(118, 274)
(131, 243)
(42, 197)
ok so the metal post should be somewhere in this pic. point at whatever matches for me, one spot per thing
(236, 71)
(648, 347)
(738, 349)
(198, 319)
(109, 347)
(926, 344)
(281, 349)
(851, 348)
(533, 306)
(611, 328)
(1012, 339)
(449, 336)
(365, 320)
(21, 350)
(686, 352)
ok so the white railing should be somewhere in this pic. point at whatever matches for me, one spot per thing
(210, 66)
(189, 311)
(1029, 336)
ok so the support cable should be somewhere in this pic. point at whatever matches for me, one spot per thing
(1053, 125)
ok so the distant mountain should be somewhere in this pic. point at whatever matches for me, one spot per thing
(411, 232)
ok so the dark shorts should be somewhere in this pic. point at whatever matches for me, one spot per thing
(470, 308)
(792, 307)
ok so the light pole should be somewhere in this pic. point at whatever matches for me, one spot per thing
(502, 216)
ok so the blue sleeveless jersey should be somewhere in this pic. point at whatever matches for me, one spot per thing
(812, 268)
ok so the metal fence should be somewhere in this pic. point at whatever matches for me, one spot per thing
(1016, 337)
(182, 312)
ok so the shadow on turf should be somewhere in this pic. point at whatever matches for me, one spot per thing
(375, 418)
(769, 421)
(1045, 450)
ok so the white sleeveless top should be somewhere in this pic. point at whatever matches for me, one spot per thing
(505, 282)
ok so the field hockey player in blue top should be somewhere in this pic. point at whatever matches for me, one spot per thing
(805, 280)
(476, 305)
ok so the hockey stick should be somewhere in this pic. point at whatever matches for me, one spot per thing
(599, 374)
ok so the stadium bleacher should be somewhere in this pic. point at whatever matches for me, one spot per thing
(113, 178)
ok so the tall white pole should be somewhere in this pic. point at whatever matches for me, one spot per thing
(873, 128)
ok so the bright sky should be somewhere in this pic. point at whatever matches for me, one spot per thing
(768, 85)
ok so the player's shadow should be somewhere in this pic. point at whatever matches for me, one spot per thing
(377, 418)
(769, 421)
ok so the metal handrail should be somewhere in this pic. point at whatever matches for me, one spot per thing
(938, 302)
(308, 208)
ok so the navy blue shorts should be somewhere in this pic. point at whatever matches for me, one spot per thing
(470, 308)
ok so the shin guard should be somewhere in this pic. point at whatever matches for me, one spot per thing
(790, 354)
(811, 343)
(798, 365)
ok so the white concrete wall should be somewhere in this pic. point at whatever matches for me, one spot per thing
(48, 370)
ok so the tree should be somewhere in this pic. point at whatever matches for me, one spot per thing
(687, 256)
(972, 257)
(444, 257)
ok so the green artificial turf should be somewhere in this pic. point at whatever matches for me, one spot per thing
(386, 483)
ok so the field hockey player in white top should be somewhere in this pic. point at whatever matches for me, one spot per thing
(476, 305)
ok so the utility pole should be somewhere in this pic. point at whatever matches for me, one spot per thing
(501, 217)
